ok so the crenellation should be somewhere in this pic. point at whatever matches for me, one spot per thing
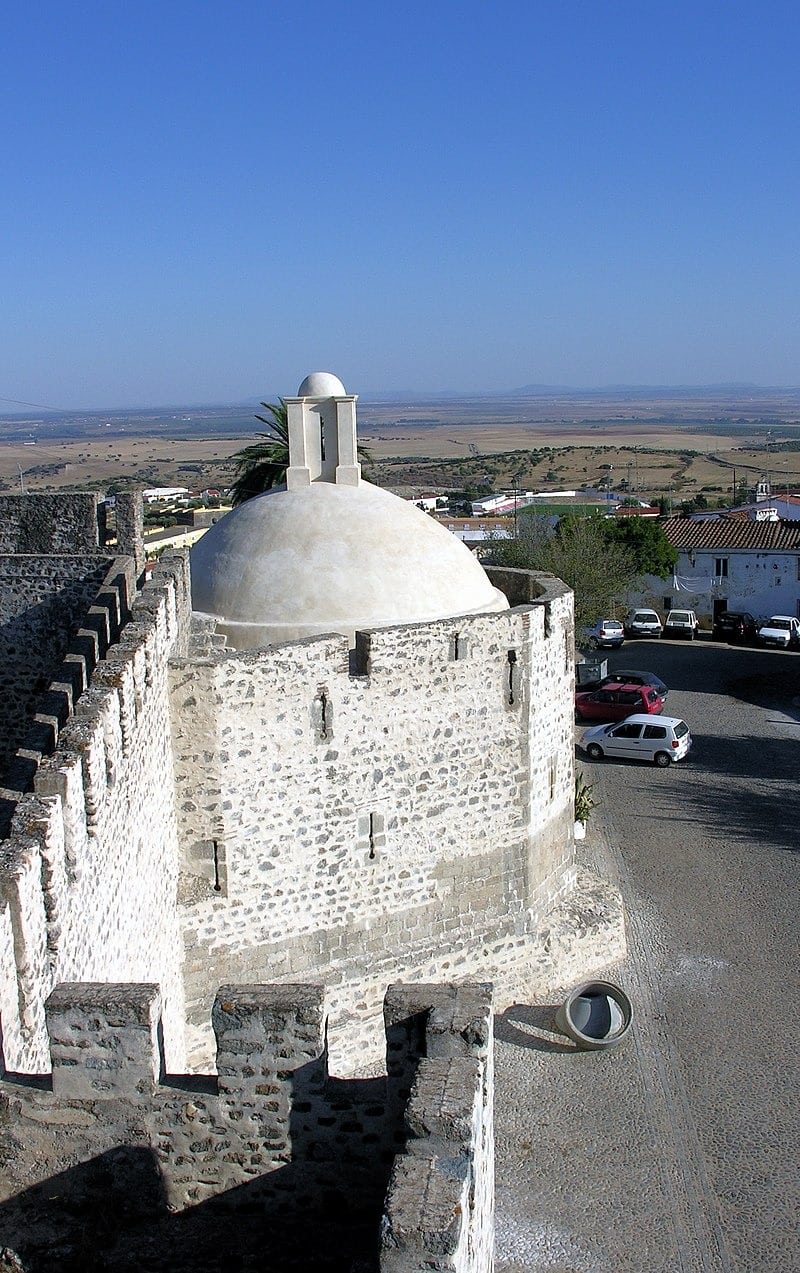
(48, 524)
(112, 754)
(271, 1118)
(104, 1040)
(39, 819)
(129, 521)
(61, 776)
(21, 890)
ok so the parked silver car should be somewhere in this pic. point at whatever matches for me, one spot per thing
(661, 739)
(606, 632)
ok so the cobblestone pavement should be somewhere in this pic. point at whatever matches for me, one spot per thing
(678, 1151)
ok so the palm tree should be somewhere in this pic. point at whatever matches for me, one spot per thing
(263, 465)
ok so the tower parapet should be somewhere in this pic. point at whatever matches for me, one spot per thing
(408, 1155)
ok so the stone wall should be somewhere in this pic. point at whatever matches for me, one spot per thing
(88, 875)
(410, 809)
(43, 601)
(53, 559)
(47, 524)
(272, 1157)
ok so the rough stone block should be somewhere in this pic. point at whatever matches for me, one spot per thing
(266, 1031)
(104, 1039)
(424, 1224)
(443, 1103)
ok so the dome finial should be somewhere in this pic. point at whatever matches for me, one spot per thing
(322, 384)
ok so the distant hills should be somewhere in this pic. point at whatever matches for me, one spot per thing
(660, 391)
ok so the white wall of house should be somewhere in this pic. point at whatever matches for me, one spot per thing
(763, 583)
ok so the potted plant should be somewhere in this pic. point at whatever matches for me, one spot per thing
(584, 803)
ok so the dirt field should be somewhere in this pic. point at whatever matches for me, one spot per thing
(687, 446)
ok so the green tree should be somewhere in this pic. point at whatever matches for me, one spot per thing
(579, 551)
(263, 465)
(646, 542)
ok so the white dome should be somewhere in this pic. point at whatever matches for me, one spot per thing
(322, 384)
(332, 558)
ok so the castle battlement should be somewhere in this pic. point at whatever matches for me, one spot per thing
(412, 1148)
(72, 898)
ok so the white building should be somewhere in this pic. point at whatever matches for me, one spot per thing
(731, 564)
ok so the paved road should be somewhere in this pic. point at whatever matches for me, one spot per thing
(680, 1150)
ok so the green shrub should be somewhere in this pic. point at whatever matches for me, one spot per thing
(584, 800)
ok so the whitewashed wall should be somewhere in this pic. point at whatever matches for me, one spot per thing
(464, 765)
(762, 583)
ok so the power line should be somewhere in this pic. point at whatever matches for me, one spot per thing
(17, 402)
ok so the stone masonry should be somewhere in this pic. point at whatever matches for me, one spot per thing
(189, 815)
(403, 1163)
(182, 816)
(349, 815)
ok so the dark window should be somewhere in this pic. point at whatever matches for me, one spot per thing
(626, 731)
(654, 731)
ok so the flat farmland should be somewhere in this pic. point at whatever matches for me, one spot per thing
(51, 465)
(678, 444)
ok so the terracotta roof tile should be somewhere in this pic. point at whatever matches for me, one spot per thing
(731, 533)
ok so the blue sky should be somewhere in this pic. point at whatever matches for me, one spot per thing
(202, 202)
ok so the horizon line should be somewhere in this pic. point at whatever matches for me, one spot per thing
(530, 390)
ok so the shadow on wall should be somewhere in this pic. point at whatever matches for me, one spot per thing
(112, 1212)
(32, 647)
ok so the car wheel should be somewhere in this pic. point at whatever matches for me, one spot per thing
(594, 751)
(662, 759)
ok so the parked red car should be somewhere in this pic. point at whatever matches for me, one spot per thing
(617, 700)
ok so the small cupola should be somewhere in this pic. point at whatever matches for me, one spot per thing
(322, 433)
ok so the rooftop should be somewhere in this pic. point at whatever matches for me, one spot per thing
(731, 533)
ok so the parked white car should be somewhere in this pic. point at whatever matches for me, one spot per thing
(642, 623)
(661, 739)
(681, 623)
(780, 630)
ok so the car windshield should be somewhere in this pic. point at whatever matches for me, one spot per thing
(779, 623)
(680, 616)
(645, 616)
